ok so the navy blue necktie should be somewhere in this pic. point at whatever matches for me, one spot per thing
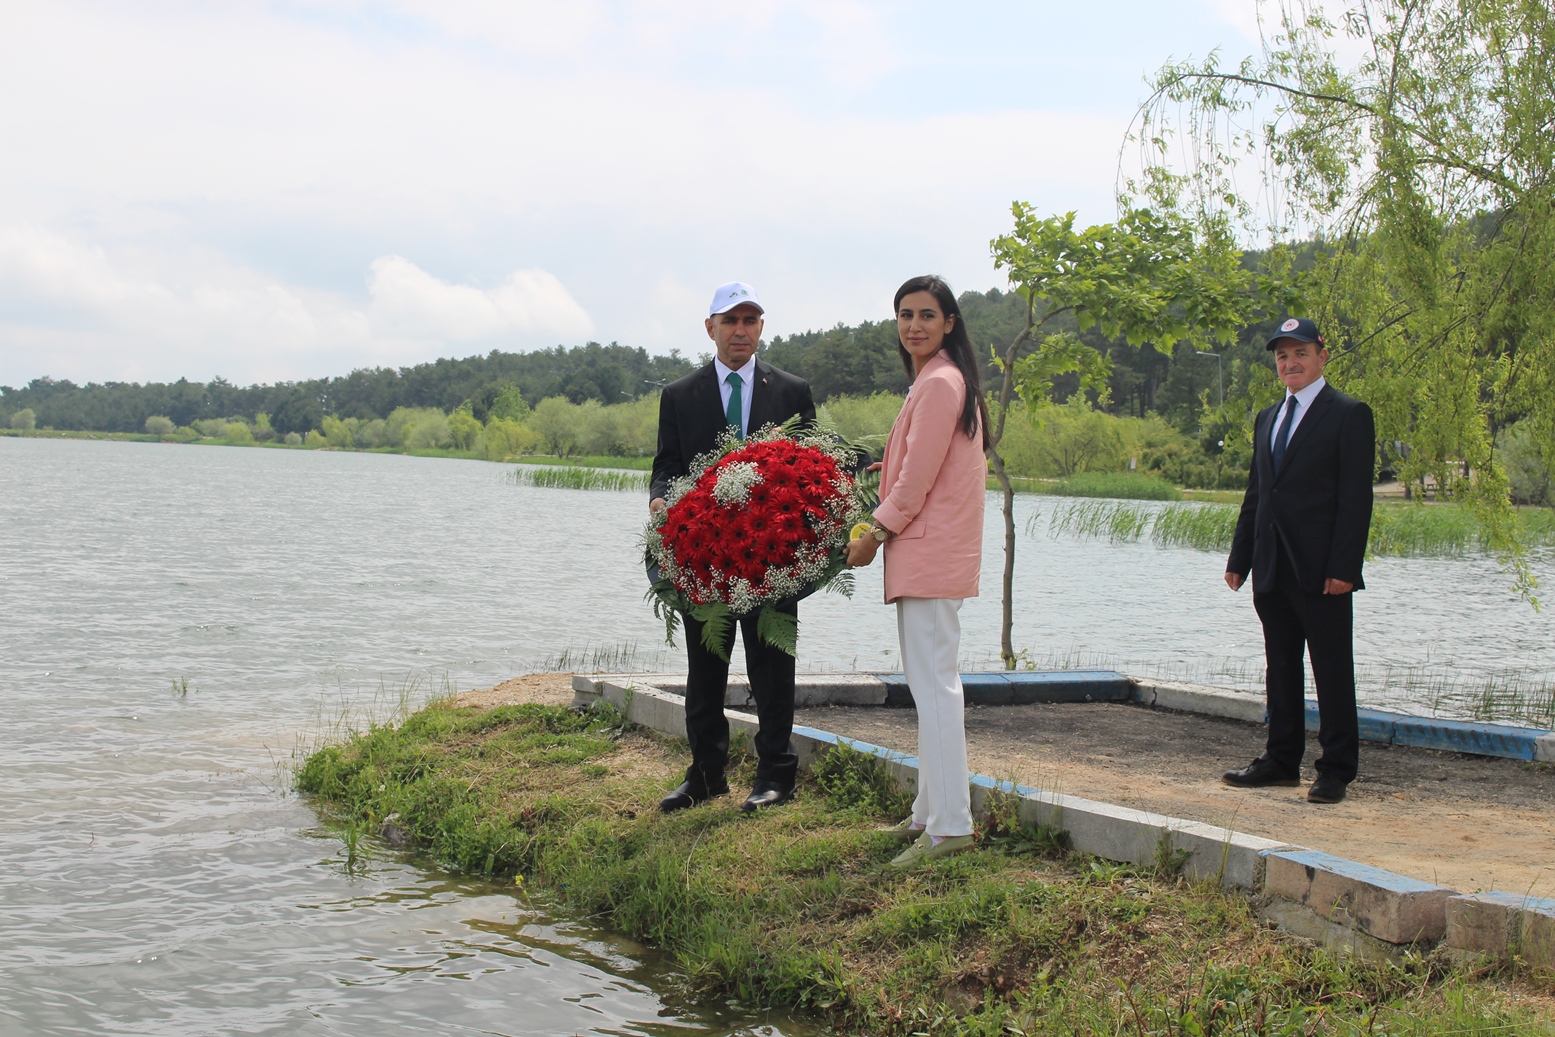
(1282, 437)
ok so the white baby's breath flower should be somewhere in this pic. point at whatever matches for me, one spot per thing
(735, 482)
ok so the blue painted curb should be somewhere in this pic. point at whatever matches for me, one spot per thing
(1021, 687)
(1458, 736)
(868, 748)
(1517, 902)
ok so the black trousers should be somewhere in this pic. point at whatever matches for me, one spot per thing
(1324, 624)
(771, 672)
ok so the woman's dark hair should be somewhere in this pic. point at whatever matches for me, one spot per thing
(957, 347)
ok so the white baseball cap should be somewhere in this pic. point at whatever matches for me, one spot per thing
(728, 296)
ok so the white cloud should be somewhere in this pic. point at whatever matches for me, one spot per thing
(408, 302)
(205, 186)
(43, 272)
(99, 314)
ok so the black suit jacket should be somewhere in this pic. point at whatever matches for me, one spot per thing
(691, 415)
(1317, 507)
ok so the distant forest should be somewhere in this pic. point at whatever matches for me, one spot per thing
(856, 360)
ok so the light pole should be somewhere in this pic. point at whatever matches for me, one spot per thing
(1219, 375)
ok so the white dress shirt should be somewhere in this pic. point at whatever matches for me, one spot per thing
(747, 376)
(1304, 400)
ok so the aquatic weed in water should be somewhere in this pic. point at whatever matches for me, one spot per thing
(620, 657)
(579, 478)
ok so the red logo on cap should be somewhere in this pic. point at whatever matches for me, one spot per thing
(1290, 325)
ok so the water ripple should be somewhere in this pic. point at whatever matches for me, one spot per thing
(159, 879)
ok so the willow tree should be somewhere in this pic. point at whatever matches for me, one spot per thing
(1155, 276)
(1414, 142)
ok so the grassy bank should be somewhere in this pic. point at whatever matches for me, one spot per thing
(49, 433)
(1116, 485)
(797, 907)
(636, 464)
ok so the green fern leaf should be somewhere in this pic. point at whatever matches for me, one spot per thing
(778, 629)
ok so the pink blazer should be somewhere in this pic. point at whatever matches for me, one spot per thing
(932, 490)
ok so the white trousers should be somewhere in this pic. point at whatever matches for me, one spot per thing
(930, 630)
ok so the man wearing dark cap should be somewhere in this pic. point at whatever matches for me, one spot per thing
(735, 390)
(1302, 535)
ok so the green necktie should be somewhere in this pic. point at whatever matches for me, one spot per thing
(736, 409)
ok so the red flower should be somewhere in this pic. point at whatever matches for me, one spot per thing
(801, 500)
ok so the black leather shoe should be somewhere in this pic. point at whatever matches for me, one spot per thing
(1326, 790)
(767, 794)
(689, 795)
(1261, 773)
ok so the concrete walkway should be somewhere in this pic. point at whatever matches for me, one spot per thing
(1466, 822)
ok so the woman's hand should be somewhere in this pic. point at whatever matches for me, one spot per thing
(862, 551)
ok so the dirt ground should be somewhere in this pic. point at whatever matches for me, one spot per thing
(548, 689)
(1467, 822)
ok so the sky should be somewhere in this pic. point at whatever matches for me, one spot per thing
(275, 191)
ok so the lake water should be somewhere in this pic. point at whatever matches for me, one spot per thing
(159, 879)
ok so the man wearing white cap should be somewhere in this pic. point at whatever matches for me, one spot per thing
(734, 390)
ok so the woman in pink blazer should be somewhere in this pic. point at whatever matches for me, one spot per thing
(930, 520)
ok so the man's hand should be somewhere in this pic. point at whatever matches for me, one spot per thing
(1333, 586)
(874, 467)
(656, 505)
(862, 551)
(1234, 581)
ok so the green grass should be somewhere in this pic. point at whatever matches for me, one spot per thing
(1119, 522)
(51, 433)
(1117, 485)
(797, 907)
(637, 464)
(570, 478)
(457, 455)
(1447, 530)
(619, 657)
(1213, 496)
(1510, 695)
(1208, 527)
(1397, 530)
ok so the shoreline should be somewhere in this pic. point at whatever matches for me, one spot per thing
(795, 907)
(1386, 494)
(1434, 823)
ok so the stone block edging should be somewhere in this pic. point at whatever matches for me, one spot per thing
(1021, 687)
(1342, 903)
(1393, 908)
(1462, 736)
(1002, 688)
(1200, 698)
(1503, 924)
(1111, 832)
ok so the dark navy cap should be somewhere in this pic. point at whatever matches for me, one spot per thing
(1298, 328)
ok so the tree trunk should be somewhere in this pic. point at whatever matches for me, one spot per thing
(996, 436)
(1007, 617)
